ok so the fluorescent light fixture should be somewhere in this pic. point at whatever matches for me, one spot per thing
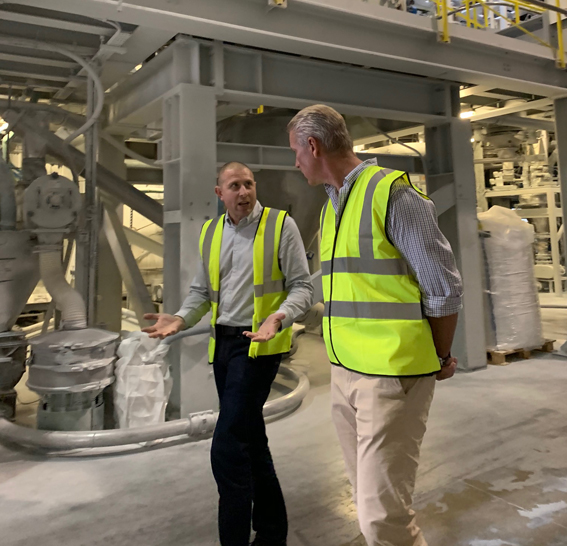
(4, 126)
(467, 114)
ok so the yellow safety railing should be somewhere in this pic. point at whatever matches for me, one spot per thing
(469, 13)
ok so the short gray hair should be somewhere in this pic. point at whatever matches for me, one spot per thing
(324, 124)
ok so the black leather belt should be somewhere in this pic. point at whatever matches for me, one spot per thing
(233, 331)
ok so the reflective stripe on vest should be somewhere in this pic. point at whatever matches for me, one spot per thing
(373, 320)
(269, 281)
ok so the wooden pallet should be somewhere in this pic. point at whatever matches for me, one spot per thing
(501, 358)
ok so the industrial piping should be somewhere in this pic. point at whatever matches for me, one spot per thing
(66, 298)
(198, 426)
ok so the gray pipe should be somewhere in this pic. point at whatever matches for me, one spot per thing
(522, 122)
(66, 298)
(7, 198)
(197, 426)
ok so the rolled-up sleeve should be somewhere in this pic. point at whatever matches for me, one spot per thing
(293, 263)
(412, 228)
(197, 303)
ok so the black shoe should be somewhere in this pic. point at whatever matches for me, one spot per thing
(259, 541)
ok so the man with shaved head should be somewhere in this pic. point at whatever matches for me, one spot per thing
(253, 276)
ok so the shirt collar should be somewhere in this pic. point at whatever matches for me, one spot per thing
(250, 219)
(351, 177)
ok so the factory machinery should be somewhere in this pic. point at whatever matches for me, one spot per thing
(70, 367)
(520, 172)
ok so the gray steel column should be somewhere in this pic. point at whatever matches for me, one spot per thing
(450, 171)
(189, 174)
(561, 138)
(109, 279)
(137, 290)
(87, 240)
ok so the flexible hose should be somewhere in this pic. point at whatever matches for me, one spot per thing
(99, 93)
(66, 298)
(197, 426)
(7, 197)
(22, 42)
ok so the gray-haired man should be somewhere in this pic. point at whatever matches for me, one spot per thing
(392, 293)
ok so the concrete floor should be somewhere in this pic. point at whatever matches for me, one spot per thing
(493, 472)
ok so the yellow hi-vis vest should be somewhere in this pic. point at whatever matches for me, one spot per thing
(269, 281)
(373, 322)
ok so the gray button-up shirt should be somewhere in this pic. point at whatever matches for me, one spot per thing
(412, 228)
(236, 298)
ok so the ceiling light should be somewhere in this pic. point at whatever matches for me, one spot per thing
(467, 114)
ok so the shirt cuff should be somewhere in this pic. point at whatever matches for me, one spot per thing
(287, 321)
(185, 325)
(441, 306)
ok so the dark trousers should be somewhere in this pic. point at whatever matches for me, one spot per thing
(242, 464)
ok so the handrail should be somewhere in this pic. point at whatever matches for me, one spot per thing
(471, 19)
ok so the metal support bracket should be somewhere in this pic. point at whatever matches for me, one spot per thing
(135, 286)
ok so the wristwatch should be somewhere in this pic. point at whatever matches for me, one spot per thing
(444, 361)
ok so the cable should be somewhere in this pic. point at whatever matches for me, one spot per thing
(394, 139)
(22, 42)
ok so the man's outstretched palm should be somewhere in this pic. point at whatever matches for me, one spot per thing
(166, 325)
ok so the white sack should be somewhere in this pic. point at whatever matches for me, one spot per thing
(143, 382)
(515, 312)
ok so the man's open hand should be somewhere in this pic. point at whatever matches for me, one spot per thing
(268, 330)
(166, 325)
(448, 370)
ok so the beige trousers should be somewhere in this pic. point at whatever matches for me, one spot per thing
(380, 423)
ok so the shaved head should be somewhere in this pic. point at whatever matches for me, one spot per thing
(231, 166)
(236, 188)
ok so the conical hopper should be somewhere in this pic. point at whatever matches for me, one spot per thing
(19, 274)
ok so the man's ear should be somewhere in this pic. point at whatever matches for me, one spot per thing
(218, 191)
(314, 146)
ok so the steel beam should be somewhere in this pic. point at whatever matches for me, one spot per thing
(474, 90)
(146, 243)
(279, 158)
(35, 75)
(105, 51)
(450, 176)
(415, 130)
(524, 122)
(189, 172)
(137, 291)
(561, 137)
(59, 24)
(42, 61)
(144, 175)
(87, 242)
(360, 33)
(539, 104)
(109, 279)
(32, 45)
(254, 78)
